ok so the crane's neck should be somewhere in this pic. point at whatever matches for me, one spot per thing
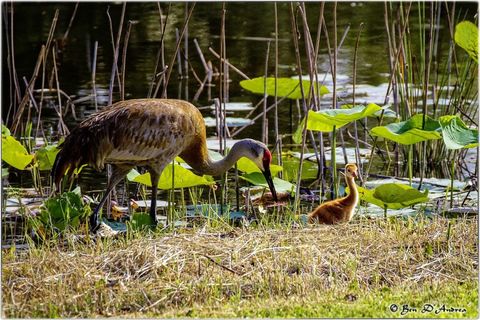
(353, 193)
(221, 166)
(201, 162)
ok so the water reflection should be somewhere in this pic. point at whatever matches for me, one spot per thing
(249, 26)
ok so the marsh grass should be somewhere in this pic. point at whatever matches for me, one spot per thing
(258, 271)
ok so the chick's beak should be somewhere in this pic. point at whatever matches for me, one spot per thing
(268, 177)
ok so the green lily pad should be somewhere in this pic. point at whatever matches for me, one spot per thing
(248, 166)
(466, 36)
(387, 112)
(410, 131)
(140, 221)
(290, 165)
(256, 178)
(286, 87)
(5, 131)
(326, 120)
(245, 165)
(64, 210)
(393, 195)
(183, 178)
(456, 134)
(14, 153)
(45, 157)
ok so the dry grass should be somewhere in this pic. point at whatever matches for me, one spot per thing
(168, 275)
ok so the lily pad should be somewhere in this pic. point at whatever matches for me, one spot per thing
(410, 131)
(466, 36)
(14, 153)
(326, 120)
(244, 164)
(258, 179)
(286, 87)
(456, 134)
(183, 178)
(393, 196)
(45, 157)
(64, 210)
(248, 166)
(5, 131)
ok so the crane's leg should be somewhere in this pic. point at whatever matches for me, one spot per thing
(118, 172)
(155, 177)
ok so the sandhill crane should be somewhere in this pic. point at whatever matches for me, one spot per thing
(149, 133)
(339, 210)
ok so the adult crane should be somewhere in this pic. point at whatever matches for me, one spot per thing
(149, 133)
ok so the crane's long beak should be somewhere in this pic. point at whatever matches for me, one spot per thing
(268, 177)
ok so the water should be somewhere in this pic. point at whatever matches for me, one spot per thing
(249, 27)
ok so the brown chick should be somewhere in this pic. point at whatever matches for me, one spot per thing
(342, 209)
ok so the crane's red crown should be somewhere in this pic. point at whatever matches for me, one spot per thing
(267, 158)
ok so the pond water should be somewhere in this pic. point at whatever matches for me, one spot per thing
(249, 28)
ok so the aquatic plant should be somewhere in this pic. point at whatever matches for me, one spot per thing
(329, 120)
(13, 152)
(173, 176)
(466, 36)
(286, 87)
(392, 196)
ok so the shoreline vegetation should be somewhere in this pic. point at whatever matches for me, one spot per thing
(360, 269)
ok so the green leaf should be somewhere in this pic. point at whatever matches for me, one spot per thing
(5, 173)
(257, 178)
(14, 153)
(325, 120)
(248, 166)
(140, 221)
(393, 196)
(5, 131)
(63, 210)
(45, 157)
(410, 131)
(244, 164)
(466, 36)
(456, 134)
(286, 87)
(183, 178)
(387, 112)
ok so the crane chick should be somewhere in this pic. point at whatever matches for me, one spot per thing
(342, 209)
(149, 133)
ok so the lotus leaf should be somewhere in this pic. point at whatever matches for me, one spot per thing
(245, 165)
(286, 87)
(326, 120)
(456, 134)
(258, 179)
(64, 210)
(410, 131)
(14, 153)
(5, 131)
(466, 36)
(393, 196)
(45, 157)
(183, 178)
